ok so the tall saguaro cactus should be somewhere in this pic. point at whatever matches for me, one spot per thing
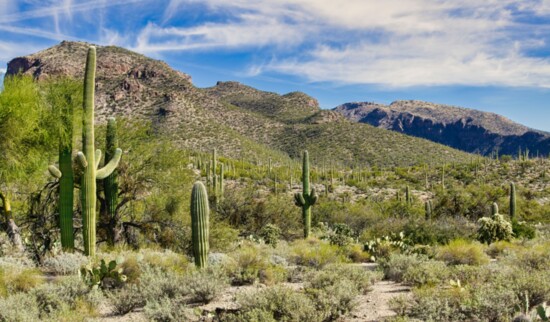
(200, 213)
(89, 158)
(512, 200)
(110, 184)
(307, 198)
(66, 195)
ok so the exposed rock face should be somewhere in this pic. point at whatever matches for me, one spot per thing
(461, 128)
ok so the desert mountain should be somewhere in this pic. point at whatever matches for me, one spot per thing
(461, 128)
(237, 119)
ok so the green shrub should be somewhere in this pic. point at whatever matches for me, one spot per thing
(247, 265)
(202, 286)
(396, 265)
(166, 310)
(126, 299)
(522, 229)
(279, 302)
(462, 252)
(24, 280)
(270, 234)
(155, 283)
(315, 253)
(19, 307)
(427, 273)
(62, 294)
(65, 263)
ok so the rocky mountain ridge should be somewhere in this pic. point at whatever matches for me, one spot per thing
(238, 120)
(461, 128)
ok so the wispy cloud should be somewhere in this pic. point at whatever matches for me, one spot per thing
(395, 43)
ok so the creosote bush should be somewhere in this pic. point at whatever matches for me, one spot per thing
(462, 252)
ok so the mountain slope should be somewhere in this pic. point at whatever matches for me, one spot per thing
(238, 120)
(461, 128)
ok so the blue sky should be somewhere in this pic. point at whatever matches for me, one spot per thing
(491, 55)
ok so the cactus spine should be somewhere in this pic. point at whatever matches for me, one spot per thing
(307, 198)
(110, 184)
(89, 159)
(200, 212)
(512, 201)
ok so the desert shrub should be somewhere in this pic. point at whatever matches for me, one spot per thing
(63, 294)
(500, 248)
(24, 280)
(474, 275)
(428, 273)
(19, 307)
(273, 274)
(64, 263)
(204, 285)
(278, 302)
(165, 259)
(536, 257)
(248, 263)
(494, 229)
(155, 283)
(535, 285)
(455, 303)
(315, 253)
(522, 229)
(462, 252)
(356, 253)
(270, 234)
(397, 265)
(166, 310)
(333, 300)
(126, 299)
(340, 235)
(439, 231)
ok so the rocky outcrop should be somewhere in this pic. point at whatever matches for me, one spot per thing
(460, 128)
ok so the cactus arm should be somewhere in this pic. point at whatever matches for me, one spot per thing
(97, 157)
(109, 167)
(312, 198)
(54, 171)
(81, 160)
(299, 199)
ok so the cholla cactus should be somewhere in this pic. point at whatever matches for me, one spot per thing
(495, 228)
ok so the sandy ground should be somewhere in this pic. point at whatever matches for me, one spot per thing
(374, 305)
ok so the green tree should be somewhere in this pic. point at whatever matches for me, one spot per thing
(23, 144)
(64, 97)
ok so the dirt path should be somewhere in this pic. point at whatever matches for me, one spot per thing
(374, 306)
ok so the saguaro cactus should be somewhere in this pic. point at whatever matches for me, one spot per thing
(66, 195)
(89, 159)
(512, 200)
(428, 206)
(494, 209)
(200, 212)
(110, 184)
(307, 198)
(408, 197)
